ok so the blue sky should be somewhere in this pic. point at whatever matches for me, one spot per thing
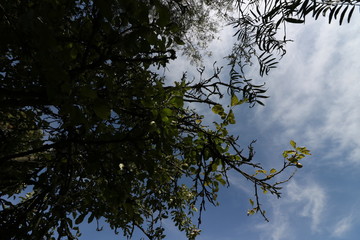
(314, 96)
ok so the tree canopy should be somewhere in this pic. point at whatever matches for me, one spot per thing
(89, 129)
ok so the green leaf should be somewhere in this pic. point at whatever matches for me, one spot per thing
(87, 92)
(273, 170)
(303, 150)
(260, 102)
(214, 166)
(245, 100)
(220, 179)
(251, 202)
(293, 144)
(179, 41)
(294, 20)
(73, 53)
(165, 119)
(261, 171)
(91, 218)
(177, 101)
(102, 111)
(307, 152)
(184, 166)
(343, 15)
(80, 219)
(218, 109)
(350, 14)
(166, 112)
(105, 8)
(288, 152)
(231, 117)
(234, 100)
(164, 16)
(251, 212)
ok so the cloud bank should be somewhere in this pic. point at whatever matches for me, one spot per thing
(315, 91)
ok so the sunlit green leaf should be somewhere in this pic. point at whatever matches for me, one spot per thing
(251, 212)
(231, 117)
(218, 109)
(166, 112)
(261, 171)
(177, 101)
(234, 100)
(273, 170)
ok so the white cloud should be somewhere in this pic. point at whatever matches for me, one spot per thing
(238, 181)
(278, 228)
(315, 91)
(305, 200)
(342, 226)
(310, 198)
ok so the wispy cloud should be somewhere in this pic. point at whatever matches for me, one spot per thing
(240, 182)
(310, 198)
(343, 226)
(315, 92)
(301, 201)
(278, 228)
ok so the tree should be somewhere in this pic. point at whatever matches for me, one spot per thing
(89, 130)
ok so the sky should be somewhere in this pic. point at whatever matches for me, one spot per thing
(314, 96)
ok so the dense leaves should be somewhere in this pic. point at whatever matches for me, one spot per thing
(90, 130)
